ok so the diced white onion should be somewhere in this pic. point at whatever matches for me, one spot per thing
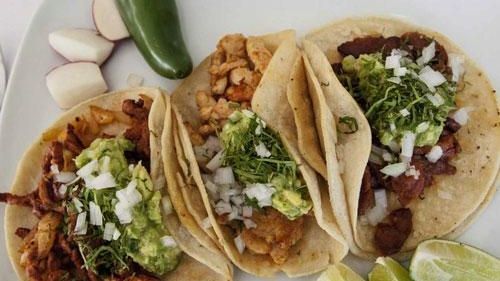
(261, 192)
(240, 244)
(226, 193)
(223, 208)
(247, 211)
(381, 198)
(62, 190)
(400, 71)
(237, 200)
(435, 154)
(422, 127)
(123, 212)
(462, 115)
(436, 100)
(249, 223)
(134, 80)
(427, 54)
(404, 112)
(234, 215)
(394, 170)
(262, 150)
(432, 79)
(248, 113)
(407, 144)
(212, 190)
(395, 80)
(78, 204)
(116, 234)
(205, 223)
(81, 224)
(412, 172)
(387, 156)
(392, 61)
(65, 177)
(455, 62)
(102, 181)
(95, 214)
(167, 205)
(109, 230)
(54, 169)
(213, 144)
(392, 126)
(168, 241)
(399, 52)
(215, 162)
(258, 130)
(224, 176)
(376, 215)
(88, 169)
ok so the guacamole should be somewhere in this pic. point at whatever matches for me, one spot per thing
(138, 240)
(395, 105)
(241, 138)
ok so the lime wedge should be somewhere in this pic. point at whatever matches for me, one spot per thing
(452, 261)
(339, 272)
(387, 269)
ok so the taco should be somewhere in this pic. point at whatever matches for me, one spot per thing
(410, 128)
(239, 168)
(89, 200)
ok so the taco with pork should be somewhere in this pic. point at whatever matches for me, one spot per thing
(89, 200)
(410, 129)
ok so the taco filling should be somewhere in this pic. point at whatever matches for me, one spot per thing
(100, 215)
(253, 183)
(406, 87)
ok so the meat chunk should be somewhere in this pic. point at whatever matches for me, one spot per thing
(367, 195)
(415, 42)
(72, 142)
(391, 235)
(409, 187)
(274, 234)
(451, 125)
(369, 45)
(22, 232)
(138, 132)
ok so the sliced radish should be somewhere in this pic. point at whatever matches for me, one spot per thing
(72, 83)
(78, 44)
(108, 21)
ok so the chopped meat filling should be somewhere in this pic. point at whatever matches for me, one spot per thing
(274, 234)
(138, 133)
(392, 234)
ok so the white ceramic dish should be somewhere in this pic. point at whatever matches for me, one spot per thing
(28, 107)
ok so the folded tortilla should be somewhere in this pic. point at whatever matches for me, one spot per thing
(322, 243)
(197, 263)
(471, 188)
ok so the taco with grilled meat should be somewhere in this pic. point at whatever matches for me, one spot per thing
(410, 129)
(90, 202)
(239, 169)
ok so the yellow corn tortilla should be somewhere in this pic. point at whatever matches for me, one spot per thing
(322, 243)
(471, 188)
(196, 263)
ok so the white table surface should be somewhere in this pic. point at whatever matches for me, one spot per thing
(15, 15)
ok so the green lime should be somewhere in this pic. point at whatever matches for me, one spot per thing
(452, 261)
(339, 272)
(387, 269)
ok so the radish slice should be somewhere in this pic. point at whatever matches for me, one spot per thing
(108, 21)
(78, 44)
(72, 83)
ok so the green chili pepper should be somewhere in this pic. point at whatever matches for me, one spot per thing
(154, 26)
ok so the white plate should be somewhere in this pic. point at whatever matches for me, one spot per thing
(28, 108)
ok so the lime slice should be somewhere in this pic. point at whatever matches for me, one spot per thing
(387, 269)
(452, 261)
(339, 272)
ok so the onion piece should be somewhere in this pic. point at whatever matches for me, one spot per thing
(400, 71)
(455, 62)
(88, 169)
(109, 230)
(432, 79)
(249, 223)
(392, 61)
(427, 54)
(78, 204)
(62, 190)
(434, 154)
(412, 172)
(215, 162)
(223, 208)
(116, 234)
(224, 176)
(394, 170)
(247, 211)
(205, 223)
(95, 214)
(81, 224)
(395, 80)
(436, 100)
(123, 212)
(422, 127)
(407, 144)
(102, 181)
(54, 169)
(404, 112)
(168, 241)
(462, 115)
(261, 192)
(262, 150)
(240, 244)
(65, 177)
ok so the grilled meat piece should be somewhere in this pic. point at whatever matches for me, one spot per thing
(391, 235)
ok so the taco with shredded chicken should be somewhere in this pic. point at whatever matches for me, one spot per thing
(410, 130)
(239, 169)
(90, 202)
